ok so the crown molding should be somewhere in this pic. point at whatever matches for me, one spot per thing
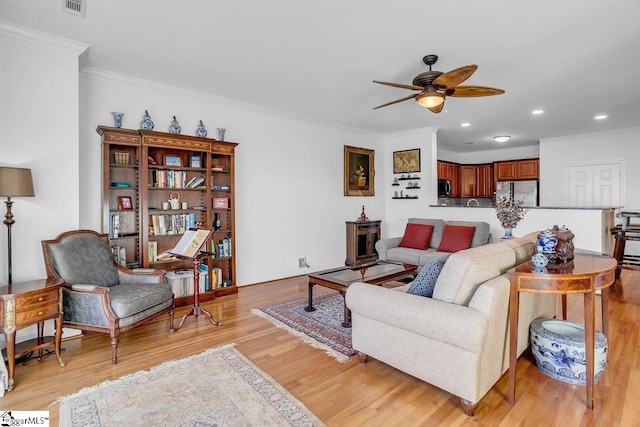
(44, 39)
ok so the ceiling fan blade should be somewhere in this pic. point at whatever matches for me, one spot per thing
(437, 108)
(455, 77)
(473, 91)
(395, 102)
(400, 85)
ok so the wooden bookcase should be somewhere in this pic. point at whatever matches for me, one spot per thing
(158, 169)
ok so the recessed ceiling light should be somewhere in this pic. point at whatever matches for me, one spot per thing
(465, 125)
(502, 138)
(600, 117)
(471, 142)
(536, 112)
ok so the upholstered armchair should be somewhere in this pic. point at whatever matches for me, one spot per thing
(100, 295)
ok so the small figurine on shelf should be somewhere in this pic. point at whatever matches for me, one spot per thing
(363, 216)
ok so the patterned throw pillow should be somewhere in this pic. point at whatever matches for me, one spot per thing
(425, 282)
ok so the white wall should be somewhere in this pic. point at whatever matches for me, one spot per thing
(557, 154)
(289, 171)
(39, 130)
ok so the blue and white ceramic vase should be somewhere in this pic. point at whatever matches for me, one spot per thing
(548, 241)
(175, 126)
(507, 233)
(539, 260)
(559, 349)
(221, 132)
(117, 119)
(146, 123)
(201, 131)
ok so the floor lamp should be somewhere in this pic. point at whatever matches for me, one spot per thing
(14, 182)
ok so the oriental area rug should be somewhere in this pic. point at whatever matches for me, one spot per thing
(321, 328)
(219, 387)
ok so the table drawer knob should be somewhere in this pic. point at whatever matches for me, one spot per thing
(39, 313)
(41, 299)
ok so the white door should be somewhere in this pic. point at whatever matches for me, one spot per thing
(595, 184)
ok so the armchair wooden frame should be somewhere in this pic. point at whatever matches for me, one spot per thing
(114, 329)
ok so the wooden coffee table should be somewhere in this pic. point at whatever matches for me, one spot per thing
(375, 273)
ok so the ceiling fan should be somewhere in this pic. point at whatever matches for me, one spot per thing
(435, 86)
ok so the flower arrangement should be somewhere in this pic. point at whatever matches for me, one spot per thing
(509, 211)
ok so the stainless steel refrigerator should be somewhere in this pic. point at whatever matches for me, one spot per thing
(519, 190)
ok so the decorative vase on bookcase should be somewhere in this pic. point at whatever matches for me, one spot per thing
(217, 223)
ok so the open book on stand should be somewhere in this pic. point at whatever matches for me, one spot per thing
(190, 243)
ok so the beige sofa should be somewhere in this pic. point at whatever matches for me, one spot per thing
(458, 339)
(388, 248)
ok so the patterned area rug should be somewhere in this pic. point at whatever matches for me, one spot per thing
(219, 387)
(321, 328)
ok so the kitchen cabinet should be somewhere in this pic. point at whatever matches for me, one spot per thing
(517, 170)
(450, 171)
(477, 180)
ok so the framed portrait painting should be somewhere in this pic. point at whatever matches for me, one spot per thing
(359, 172)
(406, 161)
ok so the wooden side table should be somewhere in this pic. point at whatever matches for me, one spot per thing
(25, 304)
(585, 274)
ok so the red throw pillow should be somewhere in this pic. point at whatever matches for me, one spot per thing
(416, 236)
(456, 238)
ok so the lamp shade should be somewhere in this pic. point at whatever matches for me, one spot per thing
(16, 182)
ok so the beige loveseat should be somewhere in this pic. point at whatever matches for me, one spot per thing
(389, 250)
(458, 339)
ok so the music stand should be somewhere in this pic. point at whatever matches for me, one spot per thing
(189, 248)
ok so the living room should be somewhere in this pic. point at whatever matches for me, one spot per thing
(289, 175)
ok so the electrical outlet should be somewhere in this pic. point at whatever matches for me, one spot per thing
(302, 262)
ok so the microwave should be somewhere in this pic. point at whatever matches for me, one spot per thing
(444, 188)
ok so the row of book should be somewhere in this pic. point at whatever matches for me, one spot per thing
(174, 179)
(221, 249)
(120, 254)
(162, 225)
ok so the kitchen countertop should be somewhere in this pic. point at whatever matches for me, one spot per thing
(601, 208)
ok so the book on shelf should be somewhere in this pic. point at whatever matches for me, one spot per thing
(191, 242)
(152, 249)
(182, 282)
(114, 226)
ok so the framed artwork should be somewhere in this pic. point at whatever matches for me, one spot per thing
(406, 161)
(195, 161)
(359, 171)
(172, 160)
(125, 203)
(221, 203)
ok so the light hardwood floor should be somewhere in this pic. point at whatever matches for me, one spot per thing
(349, 394)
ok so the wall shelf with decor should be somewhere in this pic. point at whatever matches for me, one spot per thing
(405, 198)
(176, 182)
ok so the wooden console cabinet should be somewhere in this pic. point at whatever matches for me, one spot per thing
(143, 171)
(25, 304)
(361, 242)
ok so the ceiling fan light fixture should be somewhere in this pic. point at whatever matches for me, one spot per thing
(502, 138)
(430, 99)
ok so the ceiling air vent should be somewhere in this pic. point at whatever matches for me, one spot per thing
(75, 7)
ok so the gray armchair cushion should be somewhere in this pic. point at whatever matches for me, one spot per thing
(128, 300)
(84, 258)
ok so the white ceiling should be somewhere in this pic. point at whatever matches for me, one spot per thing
(573, 58)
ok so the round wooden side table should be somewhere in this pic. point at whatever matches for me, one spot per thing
(585, 274)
